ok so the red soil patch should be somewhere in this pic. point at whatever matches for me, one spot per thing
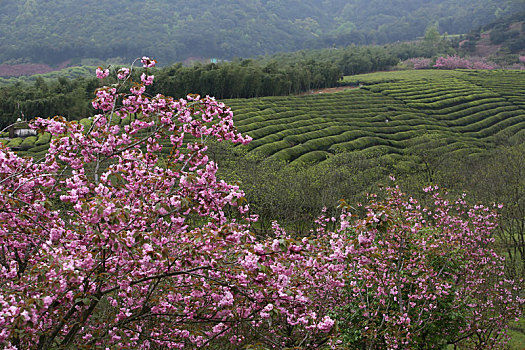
(485, 48)
(328, 90)
(16, 70)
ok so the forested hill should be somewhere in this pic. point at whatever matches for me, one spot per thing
(53, 31)
(503, 36)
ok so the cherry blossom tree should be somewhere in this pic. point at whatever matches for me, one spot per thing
(456, 62)
(419, 62)
(120, 237)
(422, 276)
(107, 243)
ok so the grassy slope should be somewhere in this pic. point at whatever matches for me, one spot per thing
(390, 114)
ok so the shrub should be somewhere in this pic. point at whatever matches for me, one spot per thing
(43, 139)
(27, 143)
(456, 62)
(15, 142)
(419, 63)
(421, 276)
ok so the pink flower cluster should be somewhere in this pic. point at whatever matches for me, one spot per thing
(398, 284)
(419, 62)
(147, 79)
(456, 62)
(148, 62)
(123, 73)
(102, 73)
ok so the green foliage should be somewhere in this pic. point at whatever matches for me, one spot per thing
(221, 29)
(506, 32)
(27, 143)
(43, 139)
(62, 74)
(86, 123)
(312, 157)
(466, 109)
(517, 333)
(282, 74)
(249, 78)
(38, 150)
(15, 142)
(69, 98)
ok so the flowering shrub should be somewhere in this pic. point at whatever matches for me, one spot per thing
(422, 275)
(419, 62)
(110, 242)
(482, 65)
(522, 59)
(456, 62)
(452, 62)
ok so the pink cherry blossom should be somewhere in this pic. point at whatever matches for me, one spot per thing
(123, 73)
(326, 324)
(456, 62)
(148, 62)
(147, 80)
(102, 73)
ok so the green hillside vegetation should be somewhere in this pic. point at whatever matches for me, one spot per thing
(389, 115)
(422, 126)
(55, 31)
(405, 120)
(66, 73)
(503, 39)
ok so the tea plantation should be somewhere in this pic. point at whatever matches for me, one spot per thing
(389, 114)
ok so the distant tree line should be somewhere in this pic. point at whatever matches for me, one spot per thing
(67, 97)
(280, 74)
(246, 78)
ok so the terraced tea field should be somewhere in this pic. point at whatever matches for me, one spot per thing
(389, 114)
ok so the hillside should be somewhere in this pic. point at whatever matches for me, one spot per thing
(54, 31)
(392, 115)
(500, 38)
